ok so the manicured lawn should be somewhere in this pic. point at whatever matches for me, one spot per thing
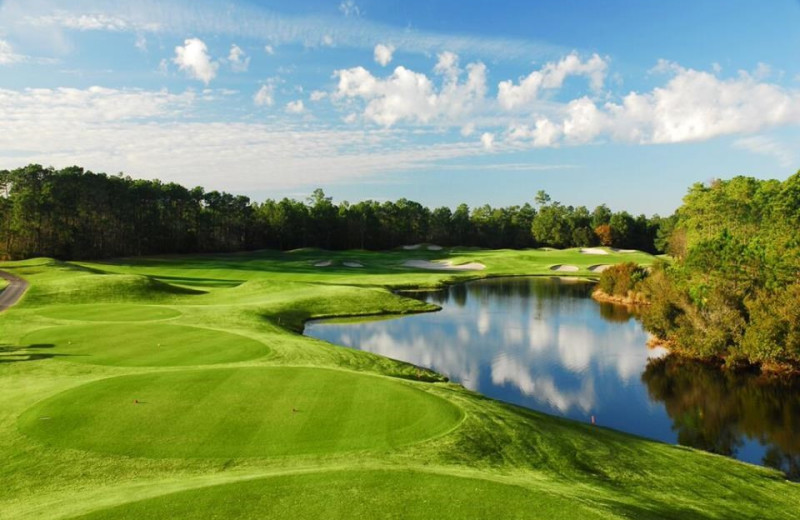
(145, 344)
(245, 412)
(351, 494)
(371, 437)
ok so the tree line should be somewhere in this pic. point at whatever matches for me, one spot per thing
(733, 291)
(77, 214)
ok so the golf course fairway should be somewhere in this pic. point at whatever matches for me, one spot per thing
(152, 344)
(182, 387)
(351, 494)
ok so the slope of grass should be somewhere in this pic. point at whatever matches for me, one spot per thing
(375, 437)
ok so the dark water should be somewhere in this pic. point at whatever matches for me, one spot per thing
(546, 345)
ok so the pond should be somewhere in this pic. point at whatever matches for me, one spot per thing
(544, 344)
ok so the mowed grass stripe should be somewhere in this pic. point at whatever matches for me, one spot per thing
(244, 412)
(146, 344)
(109, 312)
(355, 494)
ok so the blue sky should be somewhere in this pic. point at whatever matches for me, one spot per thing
(443, 102)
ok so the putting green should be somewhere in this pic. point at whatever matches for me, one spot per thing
(146, 344)
(244, 412)
(109, 312)
(351, 494)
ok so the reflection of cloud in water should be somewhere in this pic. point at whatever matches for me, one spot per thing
(543, 388)
(440, 356)
(483, 321)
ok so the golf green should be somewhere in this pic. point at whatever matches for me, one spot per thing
(109, 312)
(146, 344)
(244, 412)
(354, 494)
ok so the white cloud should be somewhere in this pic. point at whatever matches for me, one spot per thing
(250, 21)
(692, 106)
(468, 129)
(327, 40)
(7, 54)
(383, 54)
(513, 96)
(264, 96)
(91, 22)
(238, 59)
(487, 140)
(786, 156)
(269, 49)
(194, 59)
(411, 96)
(141, 42)
(317, 95)
(295, 107)
(447, 64)
(349, 8)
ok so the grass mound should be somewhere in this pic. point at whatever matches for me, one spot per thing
(150, 344)
(351, 494)
(244, 412)
(118, 312)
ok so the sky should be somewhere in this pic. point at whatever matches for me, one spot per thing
(626, 103)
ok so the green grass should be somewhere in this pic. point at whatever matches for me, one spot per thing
(350, 494)
(373, 437)
(244, 412)
(150, 344)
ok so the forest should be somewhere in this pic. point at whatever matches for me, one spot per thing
(75, 214)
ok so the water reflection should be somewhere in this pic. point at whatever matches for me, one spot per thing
(721, 411)
(546, 345)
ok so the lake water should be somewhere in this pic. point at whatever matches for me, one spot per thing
(543, 343)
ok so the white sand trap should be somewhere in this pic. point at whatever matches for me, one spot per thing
(623, 250)
(599, 268)
(444, 266)
(434, 248)
(565, 268)
(412, 247)
(324, 263)
(594, 251)
(352, 264)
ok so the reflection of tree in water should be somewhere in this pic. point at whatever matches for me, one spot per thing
(714, 410)
(615, 313)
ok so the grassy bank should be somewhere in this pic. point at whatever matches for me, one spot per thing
(160, 387)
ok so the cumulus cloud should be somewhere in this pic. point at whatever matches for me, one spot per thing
(512, 96)
(295, 107)
(269, 49)
(238, 59)
(411, 96)
(692, 106)
(383, 54)
(318, 95)
(264, 95)
(193, 58)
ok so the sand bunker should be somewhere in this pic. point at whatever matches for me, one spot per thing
(434, 248)
(444, 266)
(352, 264)
(565, 268)
(599, 268)
(412, 247)
(324, 263)
(623, 250)
(593, 251)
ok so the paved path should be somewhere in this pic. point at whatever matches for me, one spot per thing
(13, 292)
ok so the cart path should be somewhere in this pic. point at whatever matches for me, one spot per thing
(13, 292)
